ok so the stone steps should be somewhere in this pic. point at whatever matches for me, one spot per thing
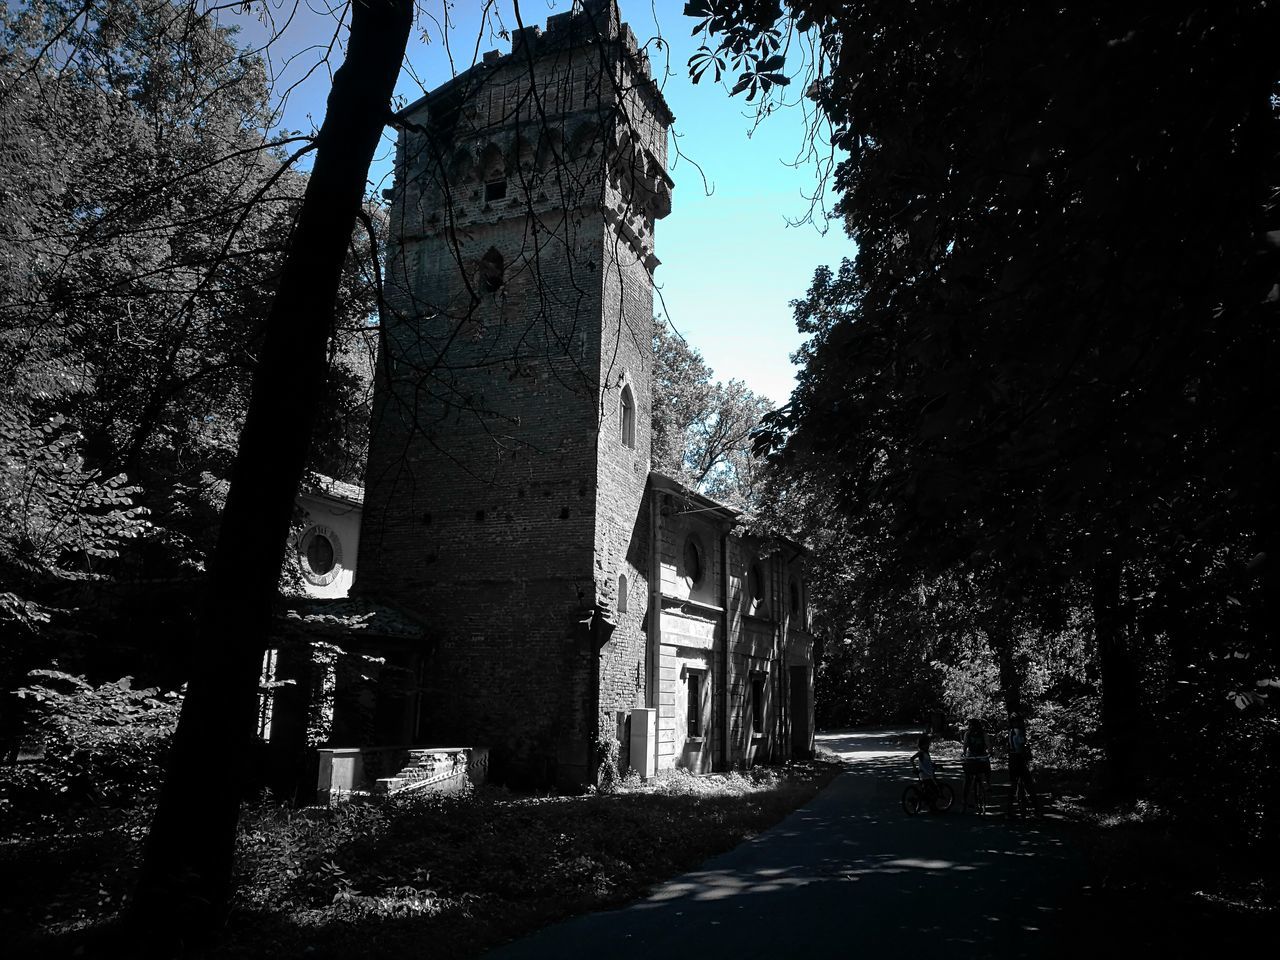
(438, 769)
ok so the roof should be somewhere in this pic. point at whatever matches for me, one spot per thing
(343, 616)
(318, 483)
(704, 504)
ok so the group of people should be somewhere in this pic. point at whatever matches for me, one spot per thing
(976, 762)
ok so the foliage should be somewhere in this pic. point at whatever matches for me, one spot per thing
(608, 773)
(701, 427)
(58, 509)
(1042, 374)
(61, 521)
(472, 870)
(482, 868)
(92, 746)
(145, 216)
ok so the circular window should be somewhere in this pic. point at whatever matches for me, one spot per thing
(692, 562)
(320, 556)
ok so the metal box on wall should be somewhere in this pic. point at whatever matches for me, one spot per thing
(644, 735)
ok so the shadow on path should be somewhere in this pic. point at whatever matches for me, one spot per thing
(848, 873)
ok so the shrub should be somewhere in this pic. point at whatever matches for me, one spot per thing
(682, 783)
(102, 746)
(608, 774)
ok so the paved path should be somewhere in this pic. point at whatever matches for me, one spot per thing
(846, 875)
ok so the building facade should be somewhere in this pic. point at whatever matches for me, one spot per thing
(326, 548)
(509, 503)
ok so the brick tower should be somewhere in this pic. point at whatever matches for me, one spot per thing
(510, 444)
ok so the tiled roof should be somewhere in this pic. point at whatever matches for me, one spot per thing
(346, 615)
(319, 483)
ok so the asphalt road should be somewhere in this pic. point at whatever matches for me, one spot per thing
(846, 876)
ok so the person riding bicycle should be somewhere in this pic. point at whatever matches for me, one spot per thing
(976, 760)
(1020, 763)
(922, 758)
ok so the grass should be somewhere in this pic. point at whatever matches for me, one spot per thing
(461, 874)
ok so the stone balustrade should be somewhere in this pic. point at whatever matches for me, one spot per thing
(363, 771)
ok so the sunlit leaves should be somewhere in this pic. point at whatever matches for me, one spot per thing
(702, 428)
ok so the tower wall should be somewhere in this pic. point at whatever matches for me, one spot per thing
(501, 500)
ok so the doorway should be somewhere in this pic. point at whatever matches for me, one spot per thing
(801, 731)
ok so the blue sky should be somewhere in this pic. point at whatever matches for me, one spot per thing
(730, 262)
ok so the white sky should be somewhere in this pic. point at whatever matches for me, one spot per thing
(730, 263)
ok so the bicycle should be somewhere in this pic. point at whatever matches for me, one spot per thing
(976, 771)
(927, 793)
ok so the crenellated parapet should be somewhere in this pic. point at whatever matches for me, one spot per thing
(569, 119)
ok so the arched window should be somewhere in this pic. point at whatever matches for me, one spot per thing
(622, 593)
(692, 562)
(491, 270)
(627, 417)
(795, 599)
(493, 171)
(756, 590)
(550, 150)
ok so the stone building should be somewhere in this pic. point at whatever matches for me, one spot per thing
(570, 596)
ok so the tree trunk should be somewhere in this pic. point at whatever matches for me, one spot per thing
(1120, 709)
(186, 875)
(1000, 638)
(1269, 855)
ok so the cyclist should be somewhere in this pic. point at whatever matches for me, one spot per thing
(925, 762)
(1020, 764)
(976, 761)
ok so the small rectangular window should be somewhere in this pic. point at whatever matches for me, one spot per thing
(495, 190)
(757, 702)
(694, 683)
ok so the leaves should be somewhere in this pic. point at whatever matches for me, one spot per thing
(147, 214)
(96, 745)
(702, 60)
(702, 429)
(1037, 365)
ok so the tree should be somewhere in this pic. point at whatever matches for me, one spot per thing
(187, 872)
(1052, 341)
(143, 237)
(702, 428)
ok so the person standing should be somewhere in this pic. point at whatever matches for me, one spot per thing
(1020, 766)
(977, 765)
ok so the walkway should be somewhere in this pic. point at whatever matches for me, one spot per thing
(847, 874)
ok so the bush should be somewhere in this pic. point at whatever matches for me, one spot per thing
(682, 783)
(101, 746)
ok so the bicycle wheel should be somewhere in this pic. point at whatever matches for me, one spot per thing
(912, 800)
(945, 798)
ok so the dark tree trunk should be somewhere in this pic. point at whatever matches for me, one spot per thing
(1000, 638)
(1269, 855)
(186, 876)
(1120, 708)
